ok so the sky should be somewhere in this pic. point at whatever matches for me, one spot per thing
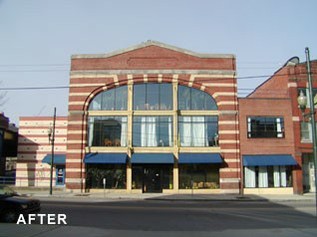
(38, 37)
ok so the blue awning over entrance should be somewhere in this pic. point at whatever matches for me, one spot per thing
(199, 158)
(59, 159)
(152, 158)
(268, 160)
(105, 158)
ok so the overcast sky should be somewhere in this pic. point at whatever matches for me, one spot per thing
(38, 37)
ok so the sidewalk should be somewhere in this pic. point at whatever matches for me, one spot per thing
(59, 195)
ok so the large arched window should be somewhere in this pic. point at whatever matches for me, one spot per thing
(151, 117)
(114, 99)
(192, 99)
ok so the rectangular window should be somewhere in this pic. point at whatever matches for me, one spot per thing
(306, 132)
(115, 176)
(107, 131)
(152, 96)
(198, 176)
(267, 177)
(265, 127)
(198, 131)
(152, 131)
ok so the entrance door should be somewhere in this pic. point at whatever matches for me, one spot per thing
(60, 175)
(152, 180)
(308, 173)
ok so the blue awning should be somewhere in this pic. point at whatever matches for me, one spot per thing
(199, 158)
(105, 158)
(152, 158)
(268, 160)
(59, 159)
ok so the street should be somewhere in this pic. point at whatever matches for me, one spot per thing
(184, 216)
(181, 218)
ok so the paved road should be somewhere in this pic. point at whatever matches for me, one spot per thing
(185, 216)
(174, 218)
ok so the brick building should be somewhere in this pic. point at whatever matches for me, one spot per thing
(153, 118)
(34, 152)
(276, 141)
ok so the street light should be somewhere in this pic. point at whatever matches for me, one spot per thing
(51, 139)
(302, 102)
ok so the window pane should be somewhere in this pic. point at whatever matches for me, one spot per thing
(114, 174)
(96, 103)
(152, 97)
(197, 99)
(198, 131)
(152, 131)
(198, 176)
(107, 131)
(121, 98)
(194, 99)
(114, 99)
(183, 98)
(139, 97)
(166, 97)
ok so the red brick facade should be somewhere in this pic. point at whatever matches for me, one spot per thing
(159, 63)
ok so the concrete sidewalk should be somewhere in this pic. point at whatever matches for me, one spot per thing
(59, 195)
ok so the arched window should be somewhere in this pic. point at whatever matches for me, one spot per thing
(193, 99)
(114, 99)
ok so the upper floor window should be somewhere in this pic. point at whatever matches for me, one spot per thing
(114, 99)
(107, 131)
(198, 130)
(265, 127)
(153, 96)
(193, 99)
(152, 131)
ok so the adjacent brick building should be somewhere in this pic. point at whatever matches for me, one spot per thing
(272, 108)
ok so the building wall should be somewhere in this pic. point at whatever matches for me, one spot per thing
(266, 107)
(33, 146)
(278, 96)
(154, 62)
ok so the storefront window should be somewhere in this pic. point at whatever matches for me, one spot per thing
(152, 96)
(198, 130)
(115, 176)
(152, 131)
(107, 131)
(198, 176)
(114, 99)
(192, 99)
(267, 177)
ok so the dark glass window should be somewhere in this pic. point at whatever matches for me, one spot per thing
(193, 99)
(107, 131)
(152, 96)
(198, 176)
(152, 131)
(198, 130)
(265, 127)
(114, 99)
(115, 176)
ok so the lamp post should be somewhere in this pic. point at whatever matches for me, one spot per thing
(302, 102)
(51, 139)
